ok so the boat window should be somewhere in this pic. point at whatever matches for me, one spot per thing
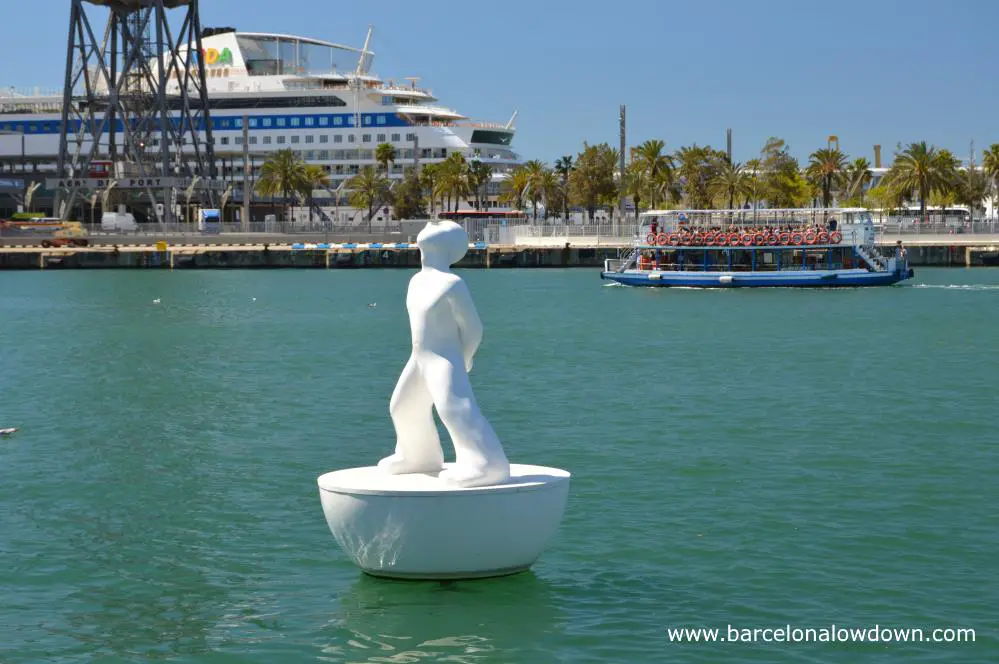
(491, 137)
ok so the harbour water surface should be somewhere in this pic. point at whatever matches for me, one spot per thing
(746, 458)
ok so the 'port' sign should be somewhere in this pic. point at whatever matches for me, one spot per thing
(131, 183)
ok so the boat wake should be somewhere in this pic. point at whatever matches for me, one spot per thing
(961, 287)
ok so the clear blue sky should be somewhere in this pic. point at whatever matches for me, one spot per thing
(873, 71)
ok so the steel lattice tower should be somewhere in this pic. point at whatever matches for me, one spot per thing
(146, 79)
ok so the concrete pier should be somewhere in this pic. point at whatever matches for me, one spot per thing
(219, 255)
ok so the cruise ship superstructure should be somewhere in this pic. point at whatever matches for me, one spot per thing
(317, 98)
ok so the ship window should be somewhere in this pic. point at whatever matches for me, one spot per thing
(281, 122)
(295, 139)
(309, 121)
(310, 139)
(367, 120)
(281, 140)
(225, 140)
(381, 119)
(381, 138)
(337, 138)
(295, 122)
(253, 140)
(324, 138)
(351, 139)
(324, 155)
(395, 138)
(366, 138)
(267, 140)
(491, 137)
(410, 137)
(266, 122)
(253, 123)
(338, 121)
(238, 123)
(238, 140)
(324, 121)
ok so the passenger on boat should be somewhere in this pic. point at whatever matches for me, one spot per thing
(900, 251)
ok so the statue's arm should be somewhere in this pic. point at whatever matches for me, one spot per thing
(469, 324)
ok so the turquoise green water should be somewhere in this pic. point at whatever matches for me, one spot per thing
(744, 458)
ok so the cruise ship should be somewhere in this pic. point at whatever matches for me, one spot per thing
(320, 99)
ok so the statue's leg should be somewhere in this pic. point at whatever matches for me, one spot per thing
(418, 446)
(479, 457)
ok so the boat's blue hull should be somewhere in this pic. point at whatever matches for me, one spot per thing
(784, 279)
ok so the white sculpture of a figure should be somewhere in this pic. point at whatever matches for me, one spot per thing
(446, 333)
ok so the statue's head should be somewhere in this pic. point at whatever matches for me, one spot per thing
(442, 244)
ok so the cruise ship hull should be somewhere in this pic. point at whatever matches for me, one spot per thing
(788, 279)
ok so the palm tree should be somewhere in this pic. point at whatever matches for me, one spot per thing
(454, 179)
(729, 180)
(536, 183)
(825, 168)
(636, 183)
(516, 185)
(385, 155)
(856, 177)
(972, 188)
(551, 188)
(920, 169)
(479, 175)
(282, 173)
(430, 179)
(990, 165)
(753, 171)
(368, 189)
(563, 166)
(656, 166)
(313, 177)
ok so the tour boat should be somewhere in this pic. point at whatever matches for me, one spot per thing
(820, 247)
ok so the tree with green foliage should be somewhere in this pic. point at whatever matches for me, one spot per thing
(368, 189)
(920, 170)
(282, 173)
(407, 196)
(313, 177)
(592, 180)
(730, 181)
(856, 176)
(480, 174)
(825, 170)
(564, 166)
(385, 154)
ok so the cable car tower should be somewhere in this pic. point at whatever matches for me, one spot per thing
(135, 96)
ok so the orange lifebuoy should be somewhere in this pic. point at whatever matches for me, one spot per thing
(650, 238)
(772, 239)
(785, 238)
(674, 239)
(809, 237)
(662, 239)
(709, 239)
(836, 237)
(698, 238)
(721, 239)
(823, 238)
(747, 239)
(796, 238)
(733, 239)
(760, 239)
